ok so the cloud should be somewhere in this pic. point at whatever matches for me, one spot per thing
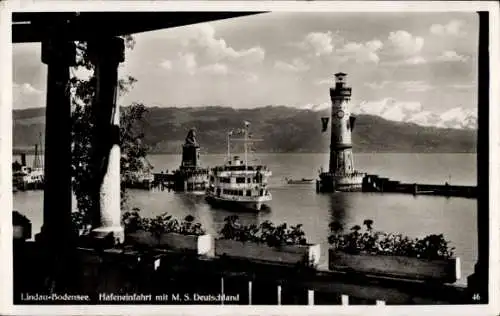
(453, 28)
(25, 89)
(204, 52)
(25, 96)
(413, 112)
(463, 86)
(409, 86)
(217, 49)
(378, 85)
(452, 56)
(188, 62)
(415, 60)
(447, 56)
(411, 61)
(215, 69)
(316, 106)
(458, 117)
(328, 43)
(405, 44)
(415, 86)
(297, 65)
(361, 52)
(389, 109)
(166, 64)
(325, 81)
(250, 77)
(320, 43)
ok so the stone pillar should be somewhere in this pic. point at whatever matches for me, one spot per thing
(106, 54)
(58, 55)
(477, 283)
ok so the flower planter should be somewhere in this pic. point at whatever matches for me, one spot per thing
(443, 271)
(289, 254)
(172, 241)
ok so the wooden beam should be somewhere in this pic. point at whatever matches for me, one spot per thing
(35, 27)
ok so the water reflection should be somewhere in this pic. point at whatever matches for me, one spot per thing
(190, 201)
(339, 204)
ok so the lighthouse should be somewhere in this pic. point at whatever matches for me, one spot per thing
(341, 175)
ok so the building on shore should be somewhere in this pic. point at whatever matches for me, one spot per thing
(341, 175)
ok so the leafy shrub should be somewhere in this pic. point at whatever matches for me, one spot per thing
(80, 223)
(379, 243)
(161, 224)
(266, 232)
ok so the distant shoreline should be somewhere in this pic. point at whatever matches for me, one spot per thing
(282, 130)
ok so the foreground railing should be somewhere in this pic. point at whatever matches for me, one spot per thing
(166, 277)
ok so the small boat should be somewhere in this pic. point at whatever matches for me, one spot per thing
(301, 181)
(238, 184)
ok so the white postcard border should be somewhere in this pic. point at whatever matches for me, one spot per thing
(6, 199)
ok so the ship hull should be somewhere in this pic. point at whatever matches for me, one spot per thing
(254, 205)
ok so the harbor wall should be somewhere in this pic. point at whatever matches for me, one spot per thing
(330, 182)
(375, 183)
(182, 181)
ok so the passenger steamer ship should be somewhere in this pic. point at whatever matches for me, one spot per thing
(238, 183)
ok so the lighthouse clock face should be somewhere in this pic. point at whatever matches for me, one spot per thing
(340, 114)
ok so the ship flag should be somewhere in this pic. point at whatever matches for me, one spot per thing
(324, 124)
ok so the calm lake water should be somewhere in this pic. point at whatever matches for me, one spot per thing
(299, 204)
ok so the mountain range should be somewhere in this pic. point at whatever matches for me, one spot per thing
(412, 112)
(279, 128)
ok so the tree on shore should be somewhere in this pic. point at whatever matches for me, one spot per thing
(133, 150)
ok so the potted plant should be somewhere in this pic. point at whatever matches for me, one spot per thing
(21, 227)
(391, 255)
(165, 232)
(266, 242)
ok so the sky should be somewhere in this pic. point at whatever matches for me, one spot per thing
(396, 62)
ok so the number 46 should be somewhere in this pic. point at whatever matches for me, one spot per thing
(476, 297)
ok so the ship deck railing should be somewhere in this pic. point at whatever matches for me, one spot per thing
(240, 168)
